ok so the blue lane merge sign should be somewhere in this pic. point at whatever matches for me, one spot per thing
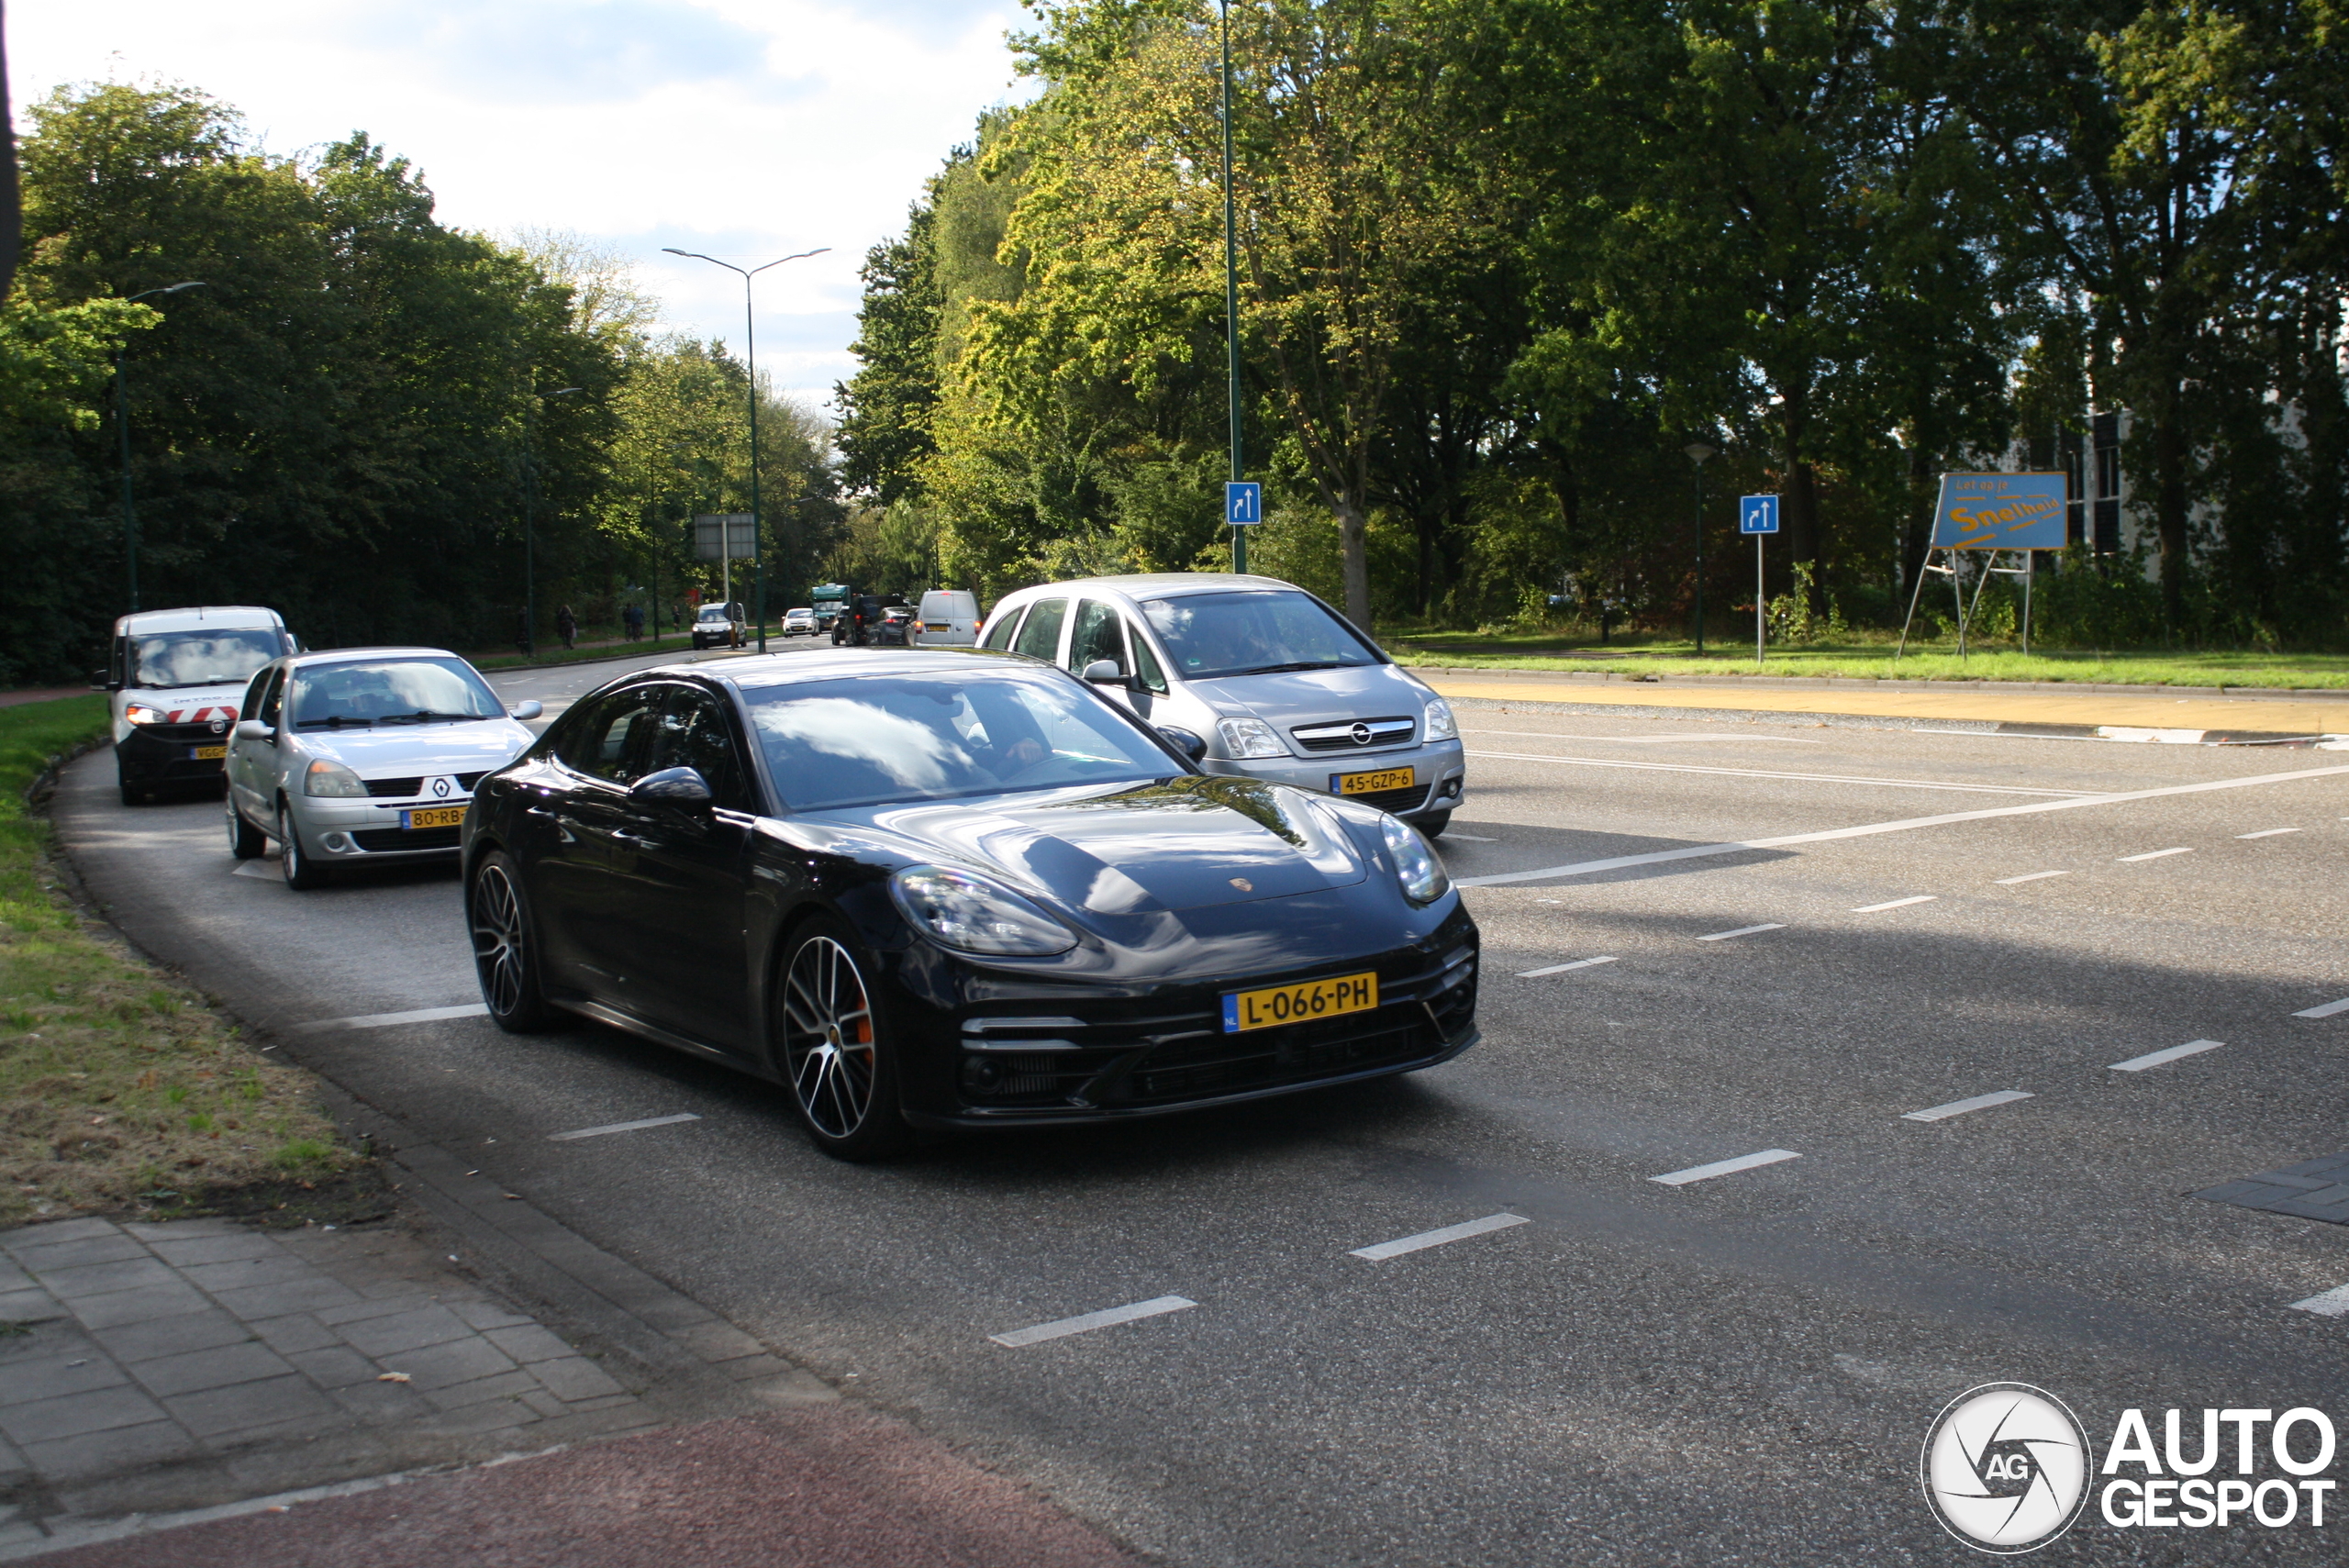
(1244, 502)
(1757, 514)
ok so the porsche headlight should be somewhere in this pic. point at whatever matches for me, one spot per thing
(322, 777)
(139, 713)
(1441, 726)
(969, 914)
(1416, 867)
(1250, 737)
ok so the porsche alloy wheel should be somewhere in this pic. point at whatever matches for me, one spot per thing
(503, 952)
(833, 1052)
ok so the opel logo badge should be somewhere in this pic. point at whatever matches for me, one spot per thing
(1361, 734)
(440, 786)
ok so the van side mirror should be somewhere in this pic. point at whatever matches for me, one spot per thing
(1183, 740)
(254, 729)
(1103, 672)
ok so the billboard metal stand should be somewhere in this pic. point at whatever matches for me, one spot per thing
(1957, 592)
(1990, 564)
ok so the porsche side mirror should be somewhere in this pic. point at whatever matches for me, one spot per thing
(1103, 672)
(683, 788)
(527, 712)
(1184, 740)
(254, 729)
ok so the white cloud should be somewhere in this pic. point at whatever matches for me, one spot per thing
(744, 128)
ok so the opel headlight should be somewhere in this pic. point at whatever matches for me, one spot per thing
(1250, 737)
(139, 713)
(969, 914)
(323, 777)
(1416, 867)
(1441, 726)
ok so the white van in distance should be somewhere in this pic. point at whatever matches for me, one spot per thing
(949, 618)
(176, 678)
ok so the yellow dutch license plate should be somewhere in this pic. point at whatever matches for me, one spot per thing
(1370, 783)
(1269, 1009)
(939, 626)
(434, 816)
(208, 753)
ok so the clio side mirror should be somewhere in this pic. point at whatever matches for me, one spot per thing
(1183, 740)
(527, 712)
(254, 729)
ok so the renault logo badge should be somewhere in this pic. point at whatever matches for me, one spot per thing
(440, 787)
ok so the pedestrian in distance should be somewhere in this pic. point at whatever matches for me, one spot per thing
(567, 624)
(522, 633)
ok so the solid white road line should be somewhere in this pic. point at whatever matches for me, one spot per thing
(622, 1127)
(2267, 833)
(1472, 838)
(1959, 1107)
(1725, 1167)
(2333, 1302)
(1743, 931)
(1561, 968)
(1758, 773)
(1089, 1321)
(2157, 1058)
(385, 1020)
(2034, 876)
(1643, 740)
(1868, 829)
(1896, 904)
(2151, 855)
(1425, 1239)
(2325, 1011)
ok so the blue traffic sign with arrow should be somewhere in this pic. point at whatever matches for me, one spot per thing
(1757, 515)
(1244, 502)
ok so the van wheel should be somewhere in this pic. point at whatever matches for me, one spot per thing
(1432, 824)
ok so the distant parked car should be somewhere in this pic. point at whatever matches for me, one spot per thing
(799, 622)
(718, 626)
(949, 618)
(898, 627)
(176, 678)
(363, 756)
(1265, 680)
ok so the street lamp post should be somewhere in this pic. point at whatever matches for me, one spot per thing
(1231, 291)
(530, 526)
(750, 354)
(122, 428)
(1700, 454)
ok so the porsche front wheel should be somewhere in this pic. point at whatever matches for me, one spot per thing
(832, 1048)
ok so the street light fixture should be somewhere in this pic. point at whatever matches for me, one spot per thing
(1700, 454)
(122, 428)
(529, 528)
(751, 353)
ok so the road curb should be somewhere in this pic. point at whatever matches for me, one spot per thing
(1885, 684)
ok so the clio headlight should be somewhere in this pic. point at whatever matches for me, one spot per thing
(1441, 726)
(322, 777)
(969, 914)
(1416, 867)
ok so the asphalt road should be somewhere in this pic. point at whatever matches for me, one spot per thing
(1738, 1369)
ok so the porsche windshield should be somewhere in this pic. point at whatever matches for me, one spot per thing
(880, 740)
(213, 657)
(373, 691)
(1252, 633)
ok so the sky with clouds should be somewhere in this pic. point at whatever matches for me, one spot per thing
(747, 129)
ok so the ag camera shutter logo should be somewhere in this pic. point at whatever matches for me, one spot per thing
(2006, 1468)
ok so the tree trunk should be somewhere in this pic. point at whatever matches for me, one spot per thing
(1800, 501)
(2171, 503)
(1353, 534)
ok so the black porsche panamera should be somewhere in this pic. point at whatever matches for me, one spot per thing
(952, 888)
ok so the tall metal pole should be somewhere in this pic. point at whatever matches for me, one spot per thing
(122, 428)
(1757, 600)
(1700, 454)
(750, 354)
(1232, 291)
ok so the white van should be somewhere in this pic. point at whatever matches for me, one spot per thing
(949, 618)
(176, 677)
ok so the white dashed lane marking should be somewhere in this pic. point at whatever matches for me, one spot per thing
(1086, 1323)
(2032, 877)
(2154, 854)
(2325, 1011)
(1895, 904)
(1561, 968)
(1725, 1167)
(1426, 1239)
(1743, 931)
(385, 1020)
(1959, 1107)
(2333, 1302)
(622, 1127)
(1763, 774)
(2157, 1058)
(2267, 833)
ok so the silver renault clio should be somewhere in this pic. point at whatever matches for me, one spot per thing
(1262, 679)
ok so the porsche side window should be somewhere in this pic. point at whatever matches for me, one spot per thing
(692, 733)
(1039, 636)
(1099, 634)
(999, 634)
(611, 744)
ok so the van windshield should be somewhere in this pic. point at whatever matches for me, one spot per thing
(213, 657)
(1253, 632)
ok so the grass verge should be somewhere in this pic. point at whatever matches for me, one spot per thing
(1872, 660)
(121, 1090)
